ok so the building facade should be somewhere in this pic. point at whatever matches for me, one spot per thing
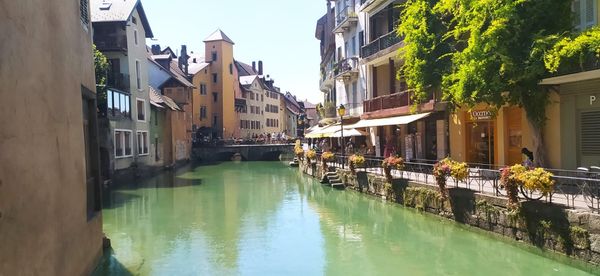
(50, 186)
(252, 115)
(214, 80)
(120, 30)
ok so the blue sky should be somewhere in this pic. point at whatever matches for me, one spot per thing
(278, 32)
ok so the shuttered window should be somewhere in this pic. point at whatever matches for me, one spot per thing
(83, 6)
(590, 133)
(584, 14)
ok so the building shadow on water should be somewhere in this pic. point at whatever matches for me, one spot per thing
(109, 265)
(120, 192)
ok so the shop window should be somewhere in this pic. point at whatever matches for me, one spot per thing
(584, 14)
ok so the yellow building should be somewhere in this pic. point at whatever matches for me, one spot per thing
(216, 86)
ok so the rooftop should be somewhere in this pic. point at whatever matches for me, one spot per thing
(218, 35)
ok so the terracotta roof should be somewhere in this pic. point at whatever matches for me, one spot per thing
(218, 35)
(179, 75)
(170, 103)
(308, 104)
(118, 11)
(245, 69)
(155, 97)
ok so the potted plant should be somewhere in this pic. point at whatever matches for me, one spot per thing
(535, 180)
(327, 157)
(510, 182)
(310, 155)
(355, 161)
(441, 171)
(392, 162)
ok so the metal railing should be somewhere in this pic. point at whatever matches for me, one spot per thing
(346, 65)
(345, 14)
(111, 42)
(379, 44)
(118, 81)
(574, 189)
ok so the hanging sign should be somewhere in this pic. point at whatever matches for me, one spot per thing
(481, 115)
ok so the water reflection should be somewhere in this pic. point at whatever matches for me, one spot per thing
(263, 218)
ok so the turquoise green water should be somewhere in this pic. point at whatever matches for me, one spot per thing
(263, 218)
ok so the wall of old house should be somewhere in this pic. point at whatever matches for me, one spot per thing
(45, 60)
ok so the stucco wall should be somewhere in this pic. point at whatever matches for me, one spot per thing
(46, 58)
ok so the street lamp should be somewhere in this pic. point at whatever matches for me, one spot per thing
(342, 111)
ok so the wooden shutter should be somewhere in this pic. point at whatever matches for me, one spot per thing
(590, 133)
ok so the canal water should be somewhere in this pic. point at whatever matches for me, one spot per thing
(264, 218)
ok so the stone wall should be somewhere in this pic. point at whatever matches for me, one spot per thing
(575, 233)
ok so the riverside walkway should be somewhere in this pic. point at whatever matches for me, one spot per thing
(573, 189)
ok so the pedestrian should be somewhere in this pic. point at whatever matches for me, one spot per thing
(527, 158)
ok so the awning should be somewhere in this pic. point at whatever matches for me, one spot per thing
(322, 132)
(399, 120)
(350, 133)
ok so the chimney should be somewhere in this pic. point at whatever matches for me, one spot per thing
(183, 60)
(155, 49)
(260, 67)
(254, 66)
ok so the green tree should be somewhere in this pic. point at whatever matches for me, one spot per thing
(485, 51)
(100, 66)
(101, 70)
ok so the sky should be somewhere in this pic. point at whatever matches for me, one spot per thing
(281, 33)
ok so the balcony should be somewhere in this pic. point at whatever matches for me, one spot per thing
(346, 69)
(345, 19)
(386, 102)
(111, 43)
(118, 81)
(396, 100)
(327, 76)
(386, 41)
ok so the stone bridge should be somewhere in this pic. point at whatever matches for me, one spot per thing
(268, 152)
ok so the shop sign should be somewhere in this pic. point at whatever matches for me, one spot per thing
(481, 115)
(592, 99)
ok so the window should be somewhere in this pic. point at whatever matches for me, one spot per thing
(214, 77)
(215, 97)
(202, 89)
(135, 37)
(215, 119)
(137, 75)
(214, 55)
(83, 9)
(133, 20)
(142, 142)
(590, 136)
(141, 110)
(122, 143)
(117, 104)
(202, 112)
(354, 92)
(262, 98)
(230, 69)
(353, 43)
(585, 12)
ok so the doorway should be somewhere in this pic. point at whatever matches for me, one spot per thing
(514, 135)
(480, 142)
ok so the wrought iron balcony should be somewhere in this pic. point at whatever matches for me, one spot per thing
(380, 44)
(344, 19)
(346, 68)
(107, 43)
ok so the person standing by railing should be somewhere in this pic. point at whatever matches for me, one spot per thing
(527, 158)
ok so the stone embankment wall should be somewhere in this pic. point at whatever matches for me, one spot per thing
(575, 233)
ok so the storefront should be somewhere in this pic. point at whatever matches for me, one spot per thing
(489, 136)
(580, 123)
